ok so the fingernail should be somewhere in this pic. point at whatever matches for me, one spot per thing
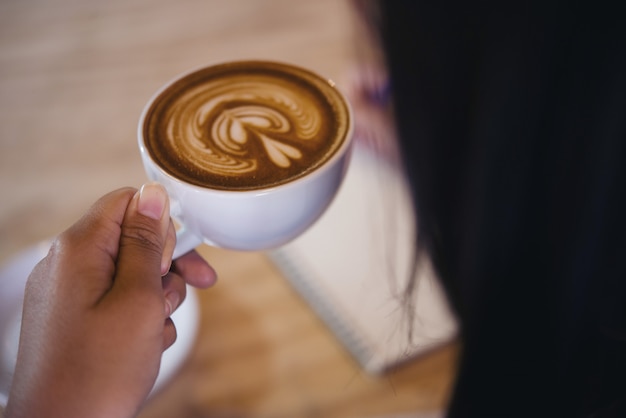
(166, 265)
(171, 302)
(152, 199)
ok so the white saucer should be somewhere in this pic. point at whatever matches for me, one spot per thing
(13, 277)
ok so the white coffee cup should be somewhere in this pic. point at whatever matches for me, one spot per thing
(248, 220)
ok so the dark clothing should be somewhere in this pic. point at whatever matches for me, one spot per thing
(512, 118)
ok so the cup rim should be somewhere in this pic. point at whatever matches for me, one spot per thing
(326, 165)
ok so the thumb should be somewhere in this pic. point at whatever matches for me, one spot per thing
(142, 241)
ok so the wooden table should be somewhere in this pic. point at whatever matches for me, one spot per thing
(74, 76)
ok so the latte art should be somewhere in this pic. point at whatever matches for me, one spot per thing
(233, 126)
(217, 126)
(246, 126)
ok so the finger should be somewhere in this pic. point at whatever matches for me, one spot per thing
(169, 334)
(142, 241)
(168, 251)
(175, 291)
(195, 270)
(89, 248)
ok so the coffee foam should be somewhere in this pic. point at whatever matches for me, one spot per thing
(246, 125)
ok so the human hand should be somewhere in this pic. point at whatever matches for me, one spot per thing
(96, 310)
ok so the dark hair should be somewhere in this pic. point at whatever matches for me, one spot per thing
(512, 121)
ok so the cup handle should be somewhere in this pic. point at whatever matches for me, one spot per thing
(186, 241)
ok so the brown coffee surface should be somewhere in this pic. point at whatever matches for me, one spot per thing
(246, 125)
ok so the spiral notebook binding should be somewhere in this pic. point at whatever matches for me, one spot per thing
(296, 273)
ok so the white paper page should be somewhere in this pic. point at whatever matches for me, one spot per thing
(352, 265)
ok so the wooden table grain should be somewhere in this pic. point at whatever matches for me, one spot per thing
(74, 76)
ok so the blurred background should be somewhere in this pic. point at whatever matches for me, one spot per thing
(74, 77)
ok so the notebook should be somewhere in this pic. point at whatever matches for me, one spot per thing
(353, 264)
